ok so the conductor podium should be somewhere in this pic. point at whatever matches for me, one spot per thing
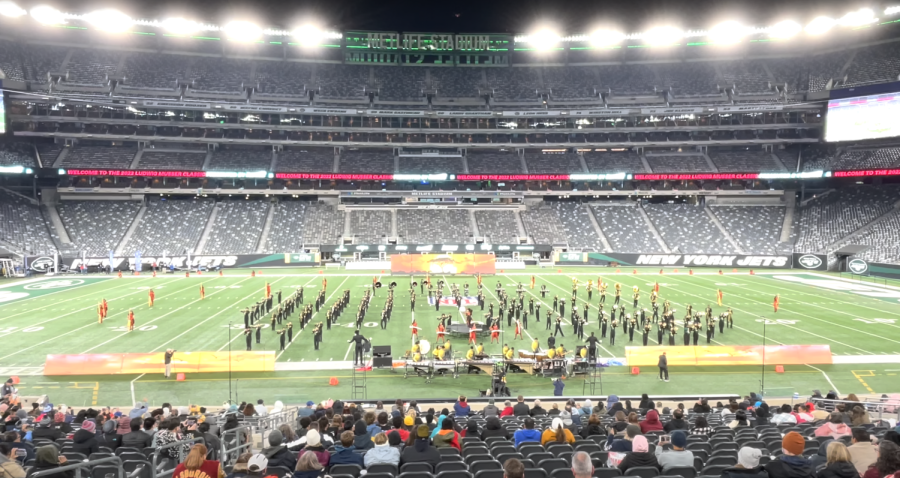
(381, 356)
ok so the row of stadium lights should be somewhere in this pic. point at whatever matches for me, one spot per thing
(729, 32)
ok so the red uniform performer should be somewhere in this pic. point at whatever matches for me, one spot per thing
(100, 313)
(152, 297)
(105, 308)
(518, 331)
(775, 303)
(415, 330)
(130, 320)
(440, 333)
(495, 333)
(268, 290)
(202, 292)
(472, 332)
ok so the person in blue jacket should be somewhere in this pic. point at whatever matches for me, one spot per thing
(558, 387)
(527, 434)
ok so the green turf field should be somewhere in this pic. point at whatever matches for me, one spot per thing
(58, 316)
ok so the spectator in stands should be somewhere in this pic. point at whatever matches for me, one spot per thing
(240, 466)
(136, 438)
(493, 428)
(45, 429)
(646, 403)
(859, 416)
(862, 451)
(277, 454)
(260, 409)
(85, 440)
(702, 406)
(508, 410)
(838, 464)
(892, 435)
(171, 433)
(634, 419)
(557, 433)
(461, 408)
(582, 466)
(740, 420)
(624, 444)
(820, 459)
(314, 445)
(16, 441)
(587, 407)
(618, 426)
(382, 453)
(307, 410)
(344, 454)
(308, 466)
(513, 468)
(747, 465)
(640, 455)
(471, 430)
(447, 436)
(398, 407)
(537, 410)
(527, 434)
(888, 461)
(9, 467)
(651, 422)
(678, 456)
(109, 438)
(568, 422)
(48, 458)
(677, 422)
(421, 450)
(362, 438)
(381, 420)
(196, 464)
(521, 409)
(490, 410)
(834, 428)
(791, 464)
(801, 413)
(762, 414)
(397, 426)
(784, 416)
(593, 427)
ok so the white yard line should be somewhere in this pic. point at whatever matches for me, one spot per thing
(56, 303)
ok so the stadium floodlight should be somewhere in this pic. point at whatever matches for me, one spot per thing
(307, 35)
(662, 35)
(47, 15)
(727, 33)
(863, 16)
(820, 25)
(784, 29)
(603, 37)
(109, 20)
(544, 39)
(10, 9)
(181, 26)
(892, 10)
(242, 31)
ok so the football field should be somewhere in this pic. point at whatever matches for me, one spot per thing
(57, 315)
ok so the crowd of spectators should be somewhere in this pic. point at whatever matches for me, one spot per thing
(740, 439)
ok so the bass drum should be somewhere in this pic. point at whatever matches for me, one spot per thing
(424, 346)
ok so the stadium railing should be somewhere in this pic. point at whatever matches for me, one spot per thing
(240, 438)
(83, 466)
(884, 407)
(160, 463)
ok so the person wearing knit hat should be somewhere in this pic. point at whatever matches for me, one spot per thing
(277, 453)
(314, 445)
(640, 455)
(792, 464)
(85, 440)
(677, 456)
(421, 450)
(747, 465)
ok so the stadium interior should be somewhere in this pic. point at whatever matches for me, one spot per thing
(242, 142)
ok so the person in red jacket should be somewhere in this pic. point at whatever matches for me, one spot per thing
(651, 422)
(196, 464)
(507, 409)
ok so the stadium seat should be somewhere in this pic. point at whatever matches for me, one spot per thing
(448, 451)
(506, 456)
(454, 474)
(469, 459)
(683, 471)
(535, 473)
(489, 474)
(345, 470)
(552, 464)
(427, 468)
(642, 471)
(562, 473)
(414, 474)
(606, 472)
(444, 466)
(714, 470)
(383, 468)
(484, 465)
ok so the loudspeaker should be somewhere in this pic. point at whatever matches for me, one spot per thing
(381, 350)
(382, 361)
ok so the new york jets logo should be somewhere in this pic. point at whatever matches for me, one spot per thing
(54, 284)
(42, 264)
(858, 266)
(810, 261)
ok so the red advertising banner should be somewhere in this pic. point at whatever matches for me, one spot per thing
(730, 355)
(443, 264)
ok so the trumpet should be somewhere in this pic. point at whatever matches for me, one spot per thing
(378, 285)
(392, 285)
(414, 283)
